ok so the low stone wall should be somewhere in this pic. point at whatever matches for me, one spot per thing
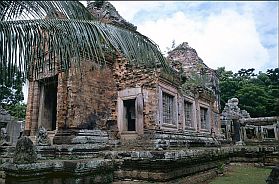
(143, 165)
(162, 166)
(60, 171)
(165, 140)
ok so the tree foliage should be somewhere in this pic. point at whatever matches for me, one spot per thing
(11, 96)
(257, 93)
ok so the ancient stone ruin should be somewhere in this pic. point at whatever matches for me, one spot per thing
(42, 137)
(239, 127)
(124, 122)
(24, 151)
(11, 129)
(128, 102)
(131, 105)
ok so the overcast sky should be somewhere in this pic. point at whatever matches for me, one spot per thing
(231, 34)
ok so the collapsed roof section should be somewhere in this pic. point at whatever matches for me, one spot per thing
(106, 12)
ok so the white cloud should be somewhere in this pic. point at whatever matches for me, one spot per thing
(227, 39)
(230, 34)
(129, 9)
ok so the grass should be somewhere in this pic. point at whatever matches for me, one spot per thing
(243, 175)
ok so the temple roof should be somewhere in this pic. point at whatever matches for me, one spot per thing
(187, 58)
(106, 12)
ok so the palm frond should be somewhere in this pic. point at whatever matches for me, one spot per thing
(30, 44)
(12, 10)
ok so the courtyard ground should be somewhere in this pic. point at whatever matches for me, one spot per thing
(243, 174)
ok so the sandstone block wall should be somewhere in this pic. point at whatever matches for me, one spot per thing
(87, 97)
(90, 97)
(131, 76)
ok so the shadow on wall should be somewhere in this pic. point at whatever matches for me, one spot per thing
(90, 122)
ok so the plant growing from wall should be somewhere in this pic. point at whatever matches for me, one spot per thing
(195, 82)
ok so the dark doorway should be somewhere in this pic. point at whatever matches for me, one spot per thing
(129, 106)
(269, 133)
(48, 103)
(236, 131)
(224, 130)
(251, 133)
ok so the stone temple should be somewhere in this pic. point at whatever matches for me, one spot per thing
(120, 122)
(127, 102)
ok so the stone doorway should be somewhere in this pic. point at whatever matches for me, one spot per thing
(251, 133)
(48, 103)
(236, 131)
(129, 115)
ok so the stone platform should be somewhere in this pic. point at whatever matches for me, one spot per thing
(140, 165)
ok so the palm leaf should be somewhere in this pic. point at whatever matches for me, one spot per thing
(30, 45)
(26, 42)
(11, 10)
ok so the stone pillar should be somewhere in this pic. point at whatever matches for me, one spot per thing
(35, 108)
(275, 132)
(139, 114)
(41, 106)
(194, 118)
(29, 108)
(243, 129)
(61, 101)
(236, 127)
(198, 115)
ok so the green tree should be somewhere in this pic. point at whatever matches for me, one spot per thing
(228, 85)
(11, 96)
(257, 93)
(11, 92)
(254, 99)
(273, 90)
(17, 110)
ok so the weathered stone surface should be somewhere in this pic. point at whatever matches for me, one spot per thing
(89, 99)
(273, 178)
(232, 111)
(42, 137)
(10, 129)
(106, 12)
(71, 171)
(25, 151)
(5, 117)
(4, 137)
(185, 57)
(239, 127)
(159, 166)
(261, 121)
(13, 131)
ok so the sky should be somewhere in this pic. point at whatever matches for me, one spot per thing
(234, 35)
(228, 34)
